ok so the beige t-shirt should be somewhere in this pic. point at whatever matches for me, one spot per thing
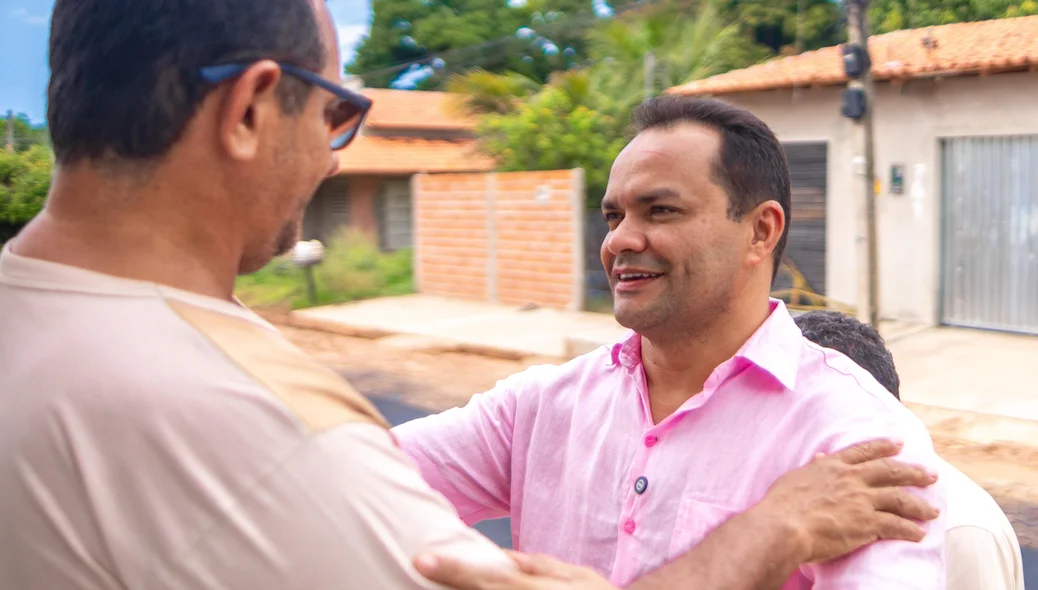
(981, 548)
(157, 439)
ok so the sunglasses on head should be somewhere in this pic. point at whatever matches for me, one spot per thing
(346, 115)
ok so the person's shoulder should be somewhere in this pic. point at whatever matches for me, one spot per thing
(827, 376)
(837, 395)
(970, 505)
(212, 363)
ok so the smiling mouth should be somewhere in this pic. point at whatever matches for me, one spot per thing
(637, 276)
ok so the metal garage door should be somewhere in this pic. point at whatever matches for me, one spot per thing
(806, 246)
(990, 232)
(395, 228)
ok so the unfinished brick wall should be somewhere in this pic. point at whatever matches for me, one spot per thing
(508, 237)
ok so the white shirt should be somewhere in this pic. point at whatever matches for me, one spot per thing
(156, 439)
(981, 548)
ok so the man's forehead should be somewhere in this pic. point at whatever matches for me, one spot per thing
(658, 161)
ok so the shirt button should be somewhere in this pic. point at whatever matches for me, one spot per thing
(650, 440)
(629, 527)
(640, 484)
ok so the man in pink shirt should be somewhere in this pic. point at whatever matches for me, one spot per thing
(625, 458)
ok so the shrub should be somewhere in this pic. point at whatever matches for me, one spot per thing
(353, 268)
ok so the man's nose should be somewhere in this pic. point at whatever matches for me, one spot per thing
(625, 237)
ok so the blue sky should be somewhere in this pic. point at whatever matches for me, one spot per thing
(24, 29)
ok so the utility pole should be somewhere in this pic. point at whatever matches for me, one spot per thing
(10, 131)
(650, 75)
(859, 101)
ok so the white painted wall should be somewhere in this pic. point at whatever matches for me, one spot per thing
(910, 120)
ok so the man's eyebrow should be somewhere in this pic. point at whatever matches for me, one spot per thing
(648, 198)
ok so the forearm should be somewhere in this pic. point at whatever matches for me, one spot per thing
(754, 550)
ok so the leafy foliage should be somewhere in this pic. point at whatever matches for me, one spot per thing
(556, 129)
(353, 268)
(25, 133)
(533, 38)
(893, 15)
(24, 183)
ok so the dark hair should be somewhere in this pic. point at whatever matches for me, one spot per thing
(751, 166)
(124, 76)
(857, 341)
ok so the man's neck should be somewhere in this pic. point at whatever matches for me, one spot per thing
(677, 367)
(105, 230)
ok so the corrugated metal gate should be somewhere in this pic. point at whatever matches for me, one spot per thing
(805, 247)
(990, 232)
(395, 215)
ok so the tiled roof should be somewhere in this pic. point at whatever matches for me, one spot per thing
(412, 109)
(395, 155)
(964, 48)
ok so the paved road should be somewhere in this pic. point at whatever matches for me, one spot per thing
(499, 531)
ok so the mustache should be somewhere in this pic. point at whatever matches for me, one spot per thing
(647, 263)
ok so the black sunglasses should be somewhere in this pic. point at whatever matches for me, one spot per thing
(346, 116)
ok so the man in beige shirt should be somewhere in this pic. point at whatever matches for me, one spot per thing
(155, 434)
(982, 550)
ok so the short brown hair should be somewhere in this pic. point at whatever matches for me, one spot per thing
(751, 166)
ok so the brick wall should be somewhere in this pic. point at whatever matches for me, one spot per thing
(508, 237)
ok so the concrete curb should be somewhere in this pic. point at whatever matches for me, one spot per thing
(429, 344)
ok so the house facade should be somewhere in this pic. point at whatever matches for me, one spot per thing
(956, 161)
(406, 133)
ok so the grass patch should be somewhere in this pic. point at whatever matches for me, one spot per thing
(353, 268)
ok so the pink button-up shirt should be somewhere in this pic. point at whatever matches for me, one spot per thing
(571, 453)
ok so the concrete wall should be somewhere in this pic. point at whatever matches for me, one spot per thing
(512, 238)
(364, 206)
(910, 120)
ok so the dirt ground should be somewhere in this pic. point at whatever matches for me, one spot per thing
(440, 380)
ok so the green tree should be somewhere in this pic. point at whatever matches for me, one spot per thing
(552, 131)
(25, 133)
(484, 92)
(892, 15)
(686, 46)
(783, 25)
(24, 183)
(533, 38)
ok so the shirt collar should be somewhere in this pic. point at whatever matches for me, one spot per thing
(774, 347)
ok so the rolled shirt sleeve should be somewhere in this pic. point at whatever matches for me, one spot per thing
(466, 453)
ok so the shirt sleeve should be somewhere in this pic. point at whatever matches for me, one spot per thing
(466, 453)
(345, 510)
(891, 564)
(975, 561)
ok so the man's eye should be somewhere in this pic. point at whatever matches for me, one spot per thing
(661, 210)
(611, 216)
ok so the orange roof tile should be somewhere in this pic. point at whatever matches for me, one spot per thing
(413, 109)
(964, 48)
(394, 155)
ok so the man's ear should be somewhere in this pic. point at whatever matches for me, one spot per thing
(250, 106)
(767, 222)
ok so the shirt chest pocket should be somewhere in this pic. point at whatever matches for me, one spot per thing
(695, 520)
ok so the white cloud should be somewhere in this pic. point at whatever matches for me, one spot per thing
(350, 37)
(28, 18)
